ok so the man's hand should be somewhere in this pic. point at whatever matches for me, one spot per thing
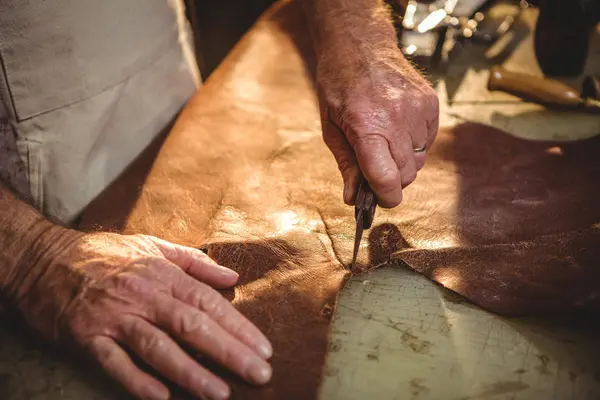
(108, 294)
(376, 109)
(374, 124)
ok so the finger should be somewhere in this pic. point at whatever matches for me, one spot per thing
(198, 330)
(420, 140)
(433, 117)
(419, 158)
(197, 264)
(433, 125)
(379, 168)
(402, 149)
(120, 367)
(210, 301)
(344, 156)
(160, 352)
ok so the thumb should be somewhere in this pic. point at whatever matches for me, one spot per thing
(344, 156)
(196, 263)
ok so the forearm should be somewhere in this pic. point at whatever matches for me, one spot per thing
(376, 109)
(25, 238)
(352, 32)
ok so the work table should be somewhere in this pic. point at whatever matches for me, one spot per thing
(395, 333)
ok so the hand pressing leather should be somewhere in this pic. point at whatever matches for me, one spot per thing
(375, 112)
(107, 294)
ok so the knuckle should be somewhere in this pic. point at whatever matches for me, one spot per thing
(80, 330)
(212, 302)
(194, 322)
(426, 101)
(202, 382)
(146, 241)
(356, 119)
(419, 103)
(344, 162)
(130, 283)
(364, 119)
(330, 140)
(145, 338)
(387, 180)
(341, 153)
(368, 141)
(189, 378)
(74, 326)
(229, 356)
(242, 327)
(106, 357)
(433, 102)
(86, 321)
(154, 343)
(429, 99)
(402, 161)
(104, 354)
(182, 257)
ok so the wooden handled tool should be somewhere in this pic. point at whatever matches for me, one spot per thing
(547, 92)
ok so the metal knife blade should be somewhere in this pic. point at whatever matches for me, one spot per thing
(357, 237)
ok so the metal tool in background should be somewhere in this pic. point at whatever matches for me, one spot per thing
(364, 212)
(550, 93)
(433, 33)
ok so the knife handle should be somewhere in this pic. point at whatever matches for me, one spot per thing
(547, 92)
(366, 201)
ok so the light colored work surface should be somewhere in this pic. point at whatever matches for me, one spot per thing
(397, 335)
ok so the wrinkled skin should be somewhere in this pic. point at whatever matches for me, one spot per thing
(373, 116)
(107, 293)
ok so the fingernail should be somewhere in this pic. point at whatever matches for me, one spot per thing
(260, 372)
(218, 390)
(265, 350)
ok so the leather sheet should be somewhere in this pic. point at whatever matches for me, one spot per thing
(509, 224)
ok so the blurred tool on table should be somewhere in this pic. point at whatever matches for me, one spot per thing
(430, 31)
(547, 92)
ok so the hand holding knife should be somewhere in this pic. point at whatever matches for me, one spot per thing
(364, 209)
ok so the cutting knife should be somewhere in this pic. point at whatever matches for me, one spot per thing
(364, 212)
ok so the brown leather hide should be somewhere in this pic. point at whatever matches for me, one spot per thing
(505, 222)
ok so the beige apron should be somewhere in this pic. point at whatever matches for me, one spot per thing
(85, 86)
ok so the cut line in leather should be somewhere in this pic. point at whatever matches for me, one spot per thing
(509, 224)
